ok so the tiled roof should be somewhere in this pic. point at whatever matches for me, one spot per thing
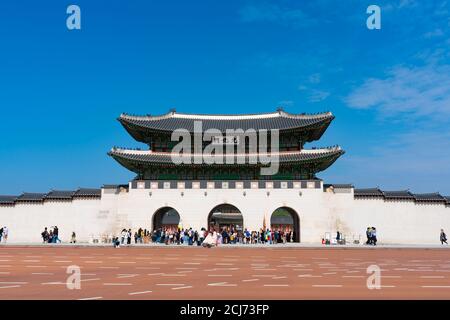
(114, 186)
(87, 192)
(161, 158)
(403, 194)
(52, 195)
(31, 197)
(429, 197)
(7, 199)
(140, 126)
(60, 195)
(368, 192)
(338, 186)
(276, 120)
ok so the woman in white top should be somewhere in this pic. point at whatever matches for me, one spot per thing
(210, 240)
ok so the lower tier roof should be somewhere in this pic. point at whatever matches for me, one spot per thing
(134, 160)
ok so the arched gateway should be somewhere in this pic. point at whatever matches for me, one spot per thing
(225, 215)
(243, 168)
(165, 217)
(286, 219)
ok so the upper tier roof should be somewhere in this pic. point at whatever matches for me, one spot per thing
(281, 120)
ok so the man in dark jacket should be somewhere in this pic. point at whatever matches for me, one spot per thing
(443, 237)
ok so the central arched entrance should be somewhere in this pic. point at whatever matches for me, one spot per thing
(165, 218)
(286, 220)
(225, 216)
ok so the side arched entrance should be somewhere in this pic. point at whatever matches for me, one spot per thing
(286, 219)
(165, 218)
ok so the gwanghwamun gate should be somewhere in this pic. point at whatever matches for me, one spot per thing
(207, 185)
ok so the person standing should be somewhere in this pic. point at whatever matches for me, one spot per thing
(129, 236)
(374, 236)
(55, 235)
(247, 236)
(368, 235)
(1, 234)
(443, 237)
(44, 235)
(123, 235)
(5, 234)
(201, 236)
(73, 238)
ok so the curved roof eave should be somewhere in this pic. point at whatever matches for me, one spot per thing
(140, 126)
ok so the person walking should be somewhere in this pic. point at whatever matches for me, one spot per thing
(73, 239)
(443, 237)
(1, 234)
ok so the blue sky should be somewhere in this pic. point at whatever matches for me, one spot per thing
(61, 91)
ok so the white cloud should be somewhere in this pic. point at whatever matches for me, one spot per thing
(407, 4)
(315, 78)
(415, 92)
(314, 95)
(318, 95)
(435, 33)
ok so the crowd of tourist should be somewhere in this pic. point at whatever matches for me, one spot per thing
(188, 236)
(215, 236)
(50, 236)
